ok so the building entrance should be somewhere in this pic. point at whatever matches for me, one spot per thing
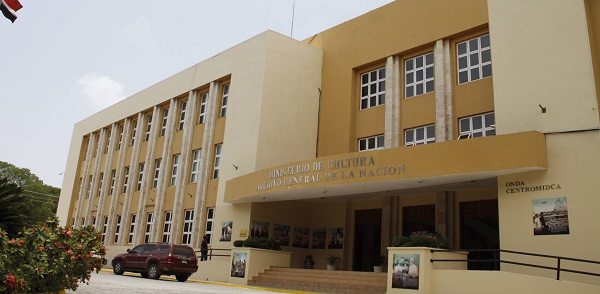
(367, 239)
(479, 230)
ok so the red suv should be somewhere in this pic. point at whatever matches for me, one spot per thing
(152, 260)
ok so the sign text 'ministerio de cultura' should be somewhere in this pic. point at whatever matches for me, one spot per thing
(332, 170)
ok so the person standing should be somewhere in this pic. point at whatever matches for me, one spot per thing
(204, 248)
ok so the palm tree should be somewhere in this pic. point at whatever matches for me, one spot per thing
(13, 215)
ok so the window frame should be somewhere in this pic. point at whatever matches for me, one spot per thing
(175, 169)
(188, 222)
(182, 113)
(148, 128)
(426, 139)
(195, 170)
(486, 127)
(157, 164)
(203, 108)
(217, 161)
(379, 141)
(414, 70)
(210, 219)
(163, 129)
(224, 100)
(168, 227)
(149, 227)
(112, 181)
(131, 228)
(118, 228)
(140, 177)
(365, 98)
(126, 180)
(480, 53)
(133, 133)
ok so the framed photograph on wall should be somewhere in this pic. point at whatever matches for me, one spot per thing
(226, 229)
(550, 216)
(301, 237)
(319, 238)
(281, 233)
(259, 229)
(336, 238)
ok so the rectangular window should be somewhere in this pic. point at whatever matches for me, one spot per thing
(187, 227)
(195, 166)
(203, 103)
(182, 115)
(217, 166)
(149, 226)
(118, 229)
(100, 186)
(131, 229)
(148, 127)
(370, 143)
(163, 129)
(210, 221)
(420, 135)
(224, 101)
(104, 227)
(156, 173)
(126, 181)
(133, 132)
(120, 137)
(108, 142)
(140, 177)
(94, 222)
(89, 191)
(175, 169)
(166, 238)
(372, 88)
(83, 221)
(419, 75)
(112, 181)
(477, 126)
(474, 59)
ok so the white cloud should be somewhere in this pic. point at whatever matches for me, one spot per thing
(100, 91)
(138, 26)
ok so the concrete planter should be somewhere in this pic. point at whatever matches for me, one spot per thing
(410, 268)
(249, 262)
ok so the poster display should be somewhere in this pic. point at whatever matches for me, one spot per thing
(406, 271)
(550, 216)
(301, 237)
(336, 238)
(281, 233)
(238, 264)
(319, 238)
(226, 229)
(259, 229)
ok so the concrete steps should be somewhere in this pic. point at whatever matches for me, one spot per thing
(322, 281)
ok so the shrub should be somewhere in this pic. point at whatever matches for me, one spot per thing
(421, 239)
(262, 243)
(238, 243)
(48, 258)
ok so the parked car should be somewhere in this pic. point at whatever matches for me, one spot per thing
(152, 260)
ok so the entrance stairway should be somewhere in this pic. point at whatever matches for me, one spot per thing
(322, 281)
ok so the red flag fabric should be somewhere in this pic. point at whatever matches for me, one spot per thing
(9, 8)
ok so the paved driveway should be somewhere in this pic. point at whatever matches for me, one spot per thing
(107, 282)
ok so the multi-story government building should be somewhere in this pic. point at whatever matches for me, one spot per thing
(475, 119)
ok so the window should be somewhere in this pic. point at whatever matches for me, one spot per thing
(104, 227)
(224, 102)
(112, 181)
(187, 227)
(217, 161)
(166, 238)
(210, 220)
(195, 166)
(175, 169)
(100, 186)
(163, 130)
(89, 191)
(140, 177)
(372, 88)
(83, 221)
(120, 137)
(97, 147)
(126, 181)
(477, 126)
(474, 59)
(420, 135)
(182, 115)
(133, 132)
(118, 229)
(148, 127)
(419, 75)
(370, 143)
(94, 221)
(149, 226)
(131, 229)
(108, 142)
(203, 102)
(156, 173)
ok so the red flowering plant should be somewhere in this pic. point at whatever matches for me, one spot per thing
(48, 258)
(421, 239)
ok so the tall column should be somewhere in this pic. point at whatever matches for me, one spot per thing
(85, 178)
(392, 102)
(138, 236)
(113, 209)
(164, 171)
(444, 206)
(133, 171)
(107, 174)
(95, 177)
(206, 156)
(184, 158)
(443, 91)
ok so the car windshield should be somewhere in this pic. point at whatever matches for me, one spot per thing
(185, 251)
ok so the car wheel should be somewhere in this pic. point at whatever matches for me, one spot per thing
(144, 275)
(118, 268)
(153, 271)
(182, 278)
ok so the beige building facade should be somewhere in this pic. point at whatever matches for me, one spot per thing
(470, 118)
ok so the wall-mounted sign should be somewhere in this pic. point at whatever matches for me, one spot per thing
(406, 271)
(515, 187)
(550, 216)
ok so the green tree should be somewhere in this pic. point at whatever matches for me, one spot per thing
(14, 214)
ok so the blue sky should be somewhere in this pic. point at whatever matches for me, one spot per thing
(65, 60)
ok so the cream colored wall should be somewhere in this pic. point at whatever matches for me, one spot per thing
(574, 164)
(541, 56)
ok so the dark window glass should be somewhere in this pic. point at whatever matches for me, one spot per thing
(371, 143)
(410, 92)
(419, 75)
(362, 145)
(185, 251)
(365, 78)
(429, 86)
(429, 73)
(380, 142)
(462, 62)
(486, 70)
(474, 59)
(381, 99)
(420, 134)
(409, 136)
(477, 122)
(485, 41)
(473, 45)
(373, 76)
(463, 77)
(409, 78)
(429, 58)
(462, 48)
(465, 125)
(430, 132)
(486, 56)
(419, 61)
(382, 73)
(474, 74)
(409, 64)
(364, 104)
(364, 91)
(419, 89)
(209, 226)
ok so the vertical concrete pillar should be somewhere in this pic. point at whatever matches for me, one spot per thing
(443, 92)
(107, 173)
(115, 201)
(85, 179)
(96, 177)
(392, 102)
(444, 218)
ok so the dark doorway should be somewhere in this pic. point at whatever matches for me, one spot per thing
(479, 230)
(367, 239)
(418, 218)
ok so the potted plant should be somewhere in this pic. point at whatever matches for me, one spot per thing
(48, 258)
(379, 261)
(332, 261)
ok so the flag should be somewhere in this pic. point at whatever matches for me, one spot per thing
(9, 8)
